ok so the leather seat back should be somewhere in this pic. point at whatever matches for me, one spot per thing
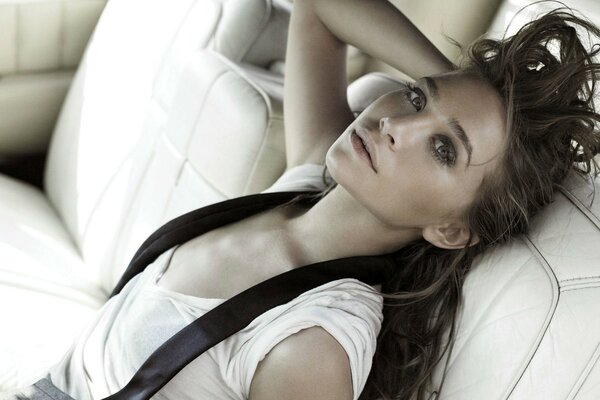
(529, 327)
(222, 139)
(120, 103)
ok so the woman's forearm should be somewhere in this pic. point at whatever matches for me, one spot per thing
(316, 108)
(382, 31)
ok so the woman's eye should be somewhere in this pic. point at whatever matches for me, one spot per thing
(416, 101)
(415, 97)
(443, 150)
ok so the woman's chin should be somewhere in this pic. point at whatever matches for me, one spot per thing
(337, 165)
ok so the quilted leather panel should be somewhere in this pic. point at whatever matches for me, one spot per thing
(94, 117)
(113, 99)
(222, 137)
(509, 300)
(240, 150)
(523, 336)
(566, 350)
(570, 242)
(154, 192)
(588, 386)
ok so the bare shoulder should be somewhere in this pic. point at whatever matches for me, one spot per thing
(308, 365)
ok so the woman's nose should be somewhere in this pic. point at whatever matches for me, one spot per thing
(385, 128)
(401, 132)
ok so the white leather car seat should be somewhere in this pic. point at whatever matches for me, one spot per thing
(529, 325)
(150, 129)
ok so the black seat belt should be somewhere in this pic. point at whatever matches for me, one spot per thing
(238, 312)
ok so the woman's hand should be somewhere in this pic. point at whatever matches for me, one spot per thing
(315, 107)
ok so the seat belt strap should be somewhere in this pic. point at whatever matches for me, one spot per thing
(238, 312)
(197, 222)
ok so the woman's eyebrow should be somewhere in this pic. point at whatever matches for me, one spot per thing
(458, 130)
(432, 87)
(453, 124)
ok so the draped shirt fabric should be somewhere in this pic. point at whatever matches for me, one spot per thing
(131, 325)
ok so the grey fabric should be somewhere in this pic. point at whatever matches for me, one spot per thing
(41, 390)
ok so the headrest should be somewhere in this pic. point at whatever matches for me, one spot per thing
(269, 47)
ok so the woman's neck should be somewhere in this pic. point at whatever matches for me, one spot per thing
(339, 226)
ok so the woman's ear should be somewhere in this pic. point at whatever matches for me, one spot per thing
(449, 236)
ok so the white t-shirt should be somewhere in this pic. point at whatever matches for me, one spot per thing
(130, 326)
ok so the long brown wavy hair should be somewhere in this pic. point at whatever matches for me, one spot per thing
(547, 80)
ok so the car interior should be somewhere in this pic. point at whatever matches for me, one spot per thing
(117, 116)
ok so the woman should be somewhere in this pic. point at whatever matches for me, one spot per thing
(432, 174)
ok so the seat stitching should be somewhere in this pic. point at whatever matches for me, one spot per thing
(555, 298)
(186, 147)
(591, 286)
(201, 175)
(581, 278)
(585, 373)
(582, 207)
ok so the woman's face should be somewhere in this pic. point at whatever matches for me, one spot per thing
(428, 149)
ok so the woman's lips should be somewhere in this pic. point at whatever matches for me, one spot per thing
(361, 149)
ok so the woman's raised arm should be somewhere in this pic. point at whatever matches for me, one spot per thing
(315, 107)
